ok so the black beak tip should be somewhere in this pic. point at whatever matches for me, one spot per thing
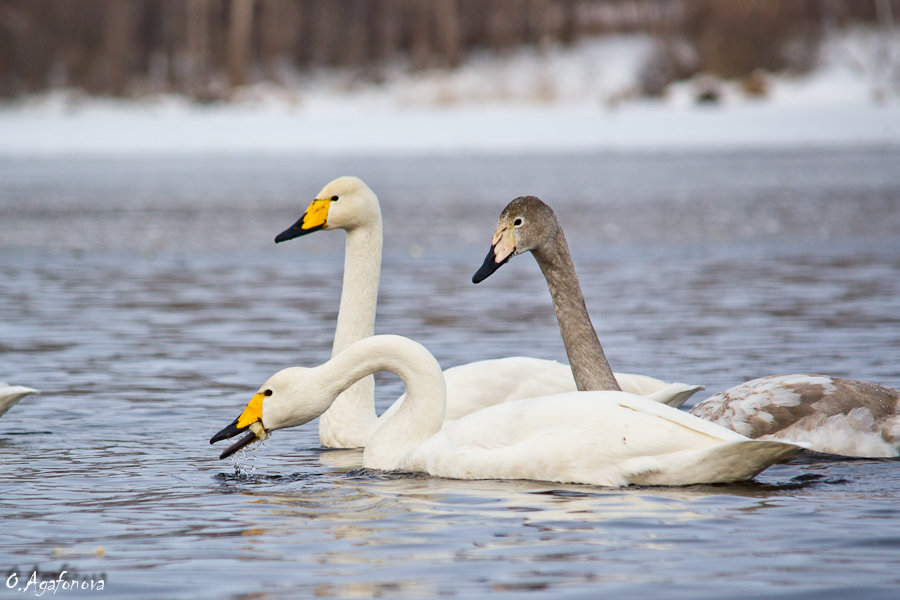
(244, 441)
(296, 230)
(228, 432)
(487, 267)
(288, 234)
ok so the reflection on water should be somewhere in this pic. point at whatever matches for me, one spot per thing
(148, 302)
(370, 523)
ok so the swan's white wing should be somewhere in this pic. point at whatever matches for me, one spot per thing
(602, 438)
(477, 385)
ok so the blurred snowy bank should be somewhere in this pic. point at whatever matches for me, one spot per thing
(555, 99)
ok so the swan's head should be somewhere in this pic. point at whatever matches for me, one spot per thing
(526, 224)
(345, 203)
(289, 398)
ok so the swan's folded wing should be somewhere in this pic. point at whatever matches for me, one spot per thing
(735, 460)
(602, 438)
(480, 384)
(477, 385)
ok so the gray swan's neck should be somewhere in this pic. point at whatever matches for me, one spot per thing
(351, 419)
(586, 357)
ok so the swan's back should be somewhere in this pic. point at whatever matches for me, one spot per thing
(477, 385)
(828, 414)
(602, 438)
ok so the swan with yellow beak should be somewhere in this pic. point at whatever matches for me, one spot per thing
(250, 419)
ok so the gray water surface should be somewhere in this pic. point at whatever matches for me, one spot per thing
(145, 298)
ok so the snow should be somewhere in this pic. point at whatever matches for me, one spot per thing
(554, 99)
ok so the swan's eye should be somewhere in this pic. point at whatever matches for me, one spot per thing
(517, 222)
(335, 198)
(267, 393)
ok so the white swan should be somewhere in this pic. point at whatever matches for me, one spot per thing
(348, 203)
(10, 394)
(825, 414)
(608, 438)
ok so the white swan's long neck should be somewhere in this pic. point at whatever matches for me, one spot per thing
(359, 294)
(421, 414)
(351, 419)
(586, 357)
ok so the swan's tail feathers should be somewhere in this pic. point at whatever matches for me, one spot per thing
(752, 456)
(737, 460)
(673, 394)
(10, 394)
(677, 394)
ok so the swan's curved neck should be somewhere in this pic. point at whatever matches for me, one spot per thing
(351, 419)
(586, 357)
(422, 412)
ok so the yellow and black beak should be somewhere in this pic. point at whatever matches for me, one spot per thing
(503, 247)
(313, 219)
(250, 419)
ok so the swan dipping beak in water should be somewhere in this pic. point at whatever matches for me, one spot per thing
(250, 421)
(608, 438)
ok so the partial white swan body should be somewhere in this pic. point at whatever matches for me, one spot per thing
(348, 203)
(11, 394)
(825, 414)
(608, 438)
(513, 378)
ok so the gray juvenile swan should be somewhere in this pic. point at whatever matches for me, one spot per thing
(825, 414)
(608, 438)
(348, 203)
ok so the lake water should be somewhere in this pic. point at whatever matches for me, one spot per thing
(146, 299)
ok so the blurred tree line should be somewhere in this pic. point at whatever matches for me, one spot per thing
(207, 48)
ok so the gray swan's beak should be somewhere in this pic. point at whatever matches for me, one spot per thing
(489, 265)
(503, 247)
